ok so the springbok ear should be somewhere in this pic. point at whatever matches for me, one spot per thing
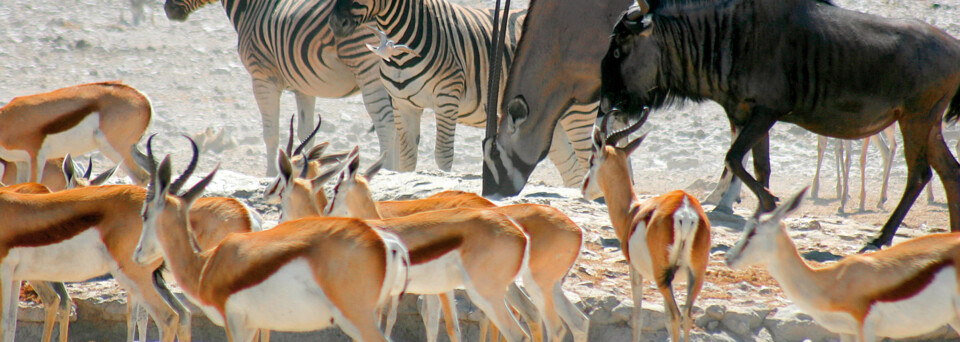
(317, 183)
(634, 144)
(373, 169)
(163, 176)
(317, 151)
(789, 206)
(89, 171)
(354, 166)
(191, 195)
(69, 169)
(333, 158)
(286, 169)
(103, 177)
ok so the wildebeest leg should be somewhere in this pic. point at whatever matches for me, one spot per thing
(915, 150)
(949, 172)
(727, 189)
(761, 160)
(753, 132)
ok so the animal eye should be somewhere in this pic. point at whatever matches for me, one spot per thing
(616, 53)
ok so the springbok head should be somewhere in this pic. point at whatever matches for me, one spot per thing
(164, 205)
(352, 193)
(608, 161)
(759, 241)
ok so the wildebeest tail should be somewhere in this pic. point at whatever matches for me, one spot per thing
(954, 111)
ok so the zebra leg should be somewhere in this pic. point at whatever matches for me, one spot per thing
(380, 107)
(408, 133)
(267, 95)
(306, 108)
(446, 134)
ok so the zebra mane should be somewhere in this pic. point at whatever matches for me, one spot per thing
(658, 5)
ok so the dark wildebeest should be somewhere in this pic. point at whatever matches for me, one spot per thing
(556, 70)
(834, 72)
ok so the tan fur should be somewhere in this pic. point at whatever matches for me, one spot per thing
(124, 116)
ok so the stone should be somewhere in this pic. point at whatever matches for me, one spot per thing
(743, 322)
(790, 324)
(716, 311)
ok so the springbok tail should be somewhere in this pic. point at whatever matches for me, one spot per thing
(685, 223)
(954, 111)
(398, 260)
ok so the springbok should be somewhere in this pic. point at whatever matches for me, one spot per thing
(74, 235)
(555, 243)
(212, 219)
(905, 290)
(324, 270)
(53, 295)
(109, 116)
(480, 250)
(660, 237)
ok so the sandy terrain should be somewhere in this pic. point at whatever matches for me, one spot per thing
(193, 76)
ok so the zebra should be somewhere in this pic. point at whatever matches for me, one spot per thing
(449, 76)
(287, 44)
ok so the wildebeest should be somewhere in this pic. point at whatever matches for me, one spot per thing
(556, 70)
(832, 71)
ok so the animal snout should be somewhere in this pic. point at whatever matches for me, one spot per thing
(175, 12)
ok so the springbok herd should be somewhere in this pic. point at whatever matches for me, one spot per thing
(345, 260)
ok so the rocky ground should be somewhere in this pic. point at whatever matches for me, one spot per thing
(193, 76)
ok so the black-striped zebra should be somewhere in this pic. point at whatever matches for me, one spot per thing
(450, 76)
(287, 44)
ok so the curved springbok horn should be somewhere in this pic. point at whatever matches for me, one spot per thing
(644, 6)
(615, 137)
(290, 138)
(177, 184)
(309, 137)
(150, 158)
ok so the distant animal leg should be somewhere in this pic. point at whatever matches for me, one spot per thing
(863, 174)
(847, 162)
(430, 313)
(753, 132)
(887, 144)
(821, 147)
(948, 170)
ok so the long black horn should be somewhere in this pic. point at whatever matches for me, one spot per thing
(605, 120)
(150, 157)
(615, 137)
(176, 185)
(309, 137)
(290, 139)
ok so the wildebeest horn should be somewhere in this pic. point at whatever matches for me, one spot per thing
(176, 185)
(644, 7)
(612, 139)
(290, 138)
(309, 137)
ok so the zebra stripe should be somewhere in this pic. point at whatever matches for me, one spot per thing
(287, 44)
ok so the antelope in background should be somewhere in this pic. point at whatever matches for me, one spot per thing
(905, 290)
(555, 243)
(108, 116)
(666, 238)
(323, 270)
